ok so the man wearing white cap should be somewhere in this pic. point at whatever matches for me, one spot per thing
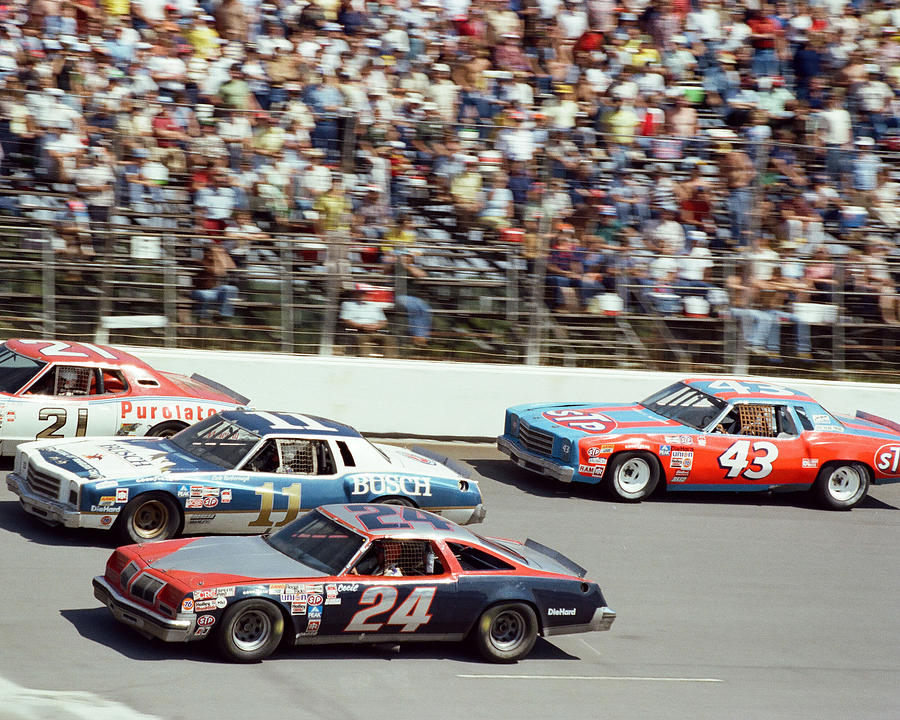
(444, 92)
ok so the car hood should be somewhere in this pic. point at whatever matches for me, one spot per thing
(579, 419)
(115, 459)
(246, 557)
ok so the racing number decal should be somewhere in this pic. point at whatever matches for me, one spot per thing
(395, 516)
(267, 504)
(738, 460)
(412, 613)
(61, 349)
(59, 419)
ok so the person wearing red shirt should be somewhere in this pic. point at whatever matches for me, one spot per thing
(764, 31)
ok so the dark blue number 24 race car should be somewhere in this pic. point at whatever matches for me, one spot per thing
(352, 573)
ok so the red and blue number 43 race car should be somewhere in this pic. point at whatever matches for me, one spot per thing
(352, 573)
(708, 434)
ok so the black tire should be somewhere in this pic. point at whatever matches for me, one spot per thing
(632, 476)
(148, 517)
(506, 633)
(395, 500)
(250, 630)
(842, 485)
(166, 429)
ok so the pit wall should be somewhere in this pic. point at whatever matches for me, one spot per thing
(449, 399)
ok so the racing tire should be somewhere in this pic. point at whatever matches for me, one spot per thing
(250, 631)
(395, 500)
(166, 429)
(632, 476)
(842, 485)
(149, 517)
(506, 633)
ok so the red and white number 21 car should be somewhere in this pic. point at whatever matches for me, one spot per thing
(53, 389)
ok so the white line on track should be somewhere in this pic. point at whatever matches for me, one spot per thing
(592, 677)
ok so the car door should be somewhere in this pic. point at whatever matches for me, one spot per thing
(419, 602)
(754, 445)
(284, 476)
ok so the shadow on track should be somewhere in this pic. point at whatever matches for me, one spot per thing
(16, 520)
(506, 473)
(98, 626)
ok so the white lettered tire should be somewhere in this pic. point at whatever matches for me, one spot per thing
(842, 485)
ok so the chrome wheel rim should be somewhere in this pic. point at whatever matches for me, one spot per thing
(633, 475)
(844, 483)
(150, 520)
(251, 630)
(507, 630)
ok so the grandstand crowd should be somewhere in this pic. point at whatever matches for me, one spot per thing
(636, 141)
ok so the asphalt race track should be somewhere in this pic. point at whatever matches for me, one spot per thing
(728, 607)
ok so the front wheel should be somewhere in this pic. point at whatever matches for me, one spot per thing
(632, 476)
(148, 517)
(843, 485)
(506, 633)
(250, 631)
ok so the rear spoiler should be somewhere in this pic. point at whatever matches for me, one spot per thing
(237, 397)
(884, 422)
(455, 465)
(573, 567)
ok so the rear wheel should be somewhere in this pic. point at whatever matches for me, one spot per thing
(506, 633)
(395, 500)
(250, 631)
(843, 485)
(632, 476)
(149, 516)
(166, 429)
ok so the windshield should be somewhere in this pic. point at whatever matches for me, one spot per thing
(317, 541)
(217, 440)
(16, 370)
(685, 404)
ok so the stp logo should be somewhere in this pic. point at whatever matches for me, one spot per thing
(314, 599)
(206, 620)
(887, 459)
(590, 420)
(210, 501)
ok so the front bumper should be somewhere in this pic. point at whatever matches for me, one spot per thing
(140, 618)
(534, 462)
(47, 509)
(464, 516)
(602, 620)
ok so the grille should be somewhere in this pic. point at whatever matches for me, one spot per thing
(129, 572)
(535, 440)
(146, 587)
(42, 483)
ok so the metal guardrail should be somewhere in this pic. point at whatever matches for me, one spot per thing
(485, 308)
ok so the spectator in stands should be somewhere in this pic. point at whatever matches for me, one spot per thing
(565, 270)
(738, 174)
(212, 287)
(418, 311)
(362, 318)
